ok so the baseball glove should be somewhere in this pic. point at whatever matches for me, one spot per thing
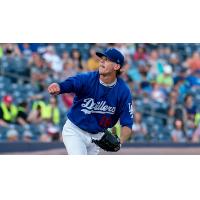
(108, 142)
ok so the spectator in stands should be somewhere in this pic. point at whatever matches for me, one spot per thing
(194, 62)
(185, 114)
(53, 59)
(77, 58)
(39, 71)
(92, 62)
(11, 50)
(181, 75)
(174, 61)
(65, 57)
(37, 115)
(178, 133)
(69, 69)
(174, 109)
(173, 98)
(181, 85)
(139, 128)
(52, 111)
(22, 114)
(8, 111)
(190, 107)
(157, 93)
(140, 53)
(140, 73)
(153, 60)
(53, 119)
(165, 80)
(194, 79)
(134, 74)
(145, 84)
(12, 134)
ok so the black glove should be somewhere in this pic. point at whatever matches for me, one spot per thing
(109, 142)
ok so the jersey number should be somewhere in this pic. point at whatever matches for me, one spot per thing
(105, 122)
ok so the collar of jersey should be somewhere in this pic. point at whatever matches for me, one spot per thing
(108, 85)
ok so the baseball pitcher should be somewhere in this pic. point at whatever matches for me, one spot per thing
(101, 99)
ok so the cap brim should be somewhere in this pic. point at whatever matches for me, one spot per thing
(100, 55)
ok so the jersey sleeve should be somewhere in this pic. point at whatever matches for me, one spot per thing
(126, 116)
(73, 84)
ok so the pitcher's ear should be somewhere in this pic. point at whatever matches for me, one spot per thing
(117, 67)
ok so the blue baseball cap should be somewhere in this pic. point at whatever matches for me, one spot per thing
(112, 54)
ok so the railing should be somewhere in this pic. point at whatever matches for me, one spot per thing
(159, 115)
(12, 75)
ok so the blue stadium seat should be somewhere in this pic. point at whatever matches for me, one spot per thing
(2, 93)
(5, 80)
(3, 132)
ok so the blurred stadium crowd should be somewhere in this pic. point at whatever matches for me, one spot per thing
(164, 80)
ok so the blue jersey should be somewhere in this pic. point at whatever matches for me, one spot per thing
(97, 107)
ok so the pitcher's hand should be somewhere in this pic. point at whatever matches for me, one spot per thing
(54, 89)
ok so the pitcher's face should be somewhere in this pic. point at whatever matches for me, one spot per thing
(106, 66)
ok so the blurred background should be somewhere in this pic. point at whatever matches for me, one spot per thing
(164, 80)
